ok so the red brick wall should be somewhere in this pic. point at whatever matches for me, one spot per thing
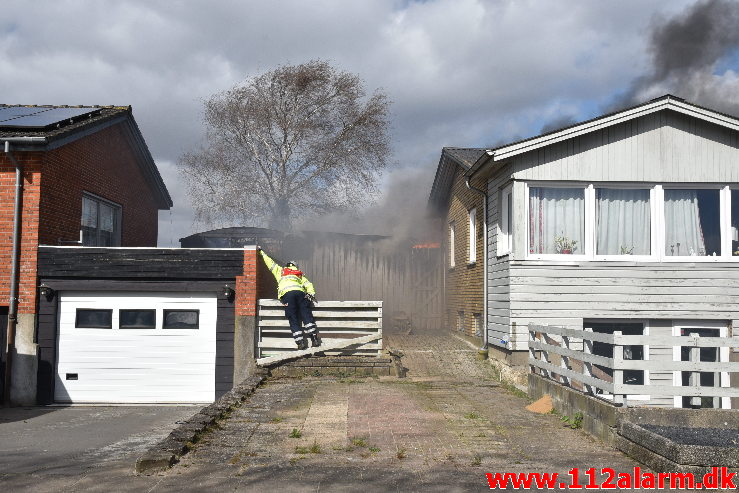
(29, 228)
(103, 164)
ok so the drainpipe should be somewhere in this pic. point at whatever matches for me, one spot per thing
(485, 259)
(14, 261)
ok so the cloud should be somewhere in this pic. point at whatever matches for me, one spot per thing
(460, 72)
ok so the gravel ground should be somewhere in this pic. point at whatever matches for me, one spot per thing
(707, 437)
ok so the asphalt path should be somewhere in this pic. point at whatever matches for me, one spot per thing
(45, 446)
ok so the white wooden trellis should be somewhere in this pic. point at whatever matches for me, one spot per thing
(540, 352)
(338, 322)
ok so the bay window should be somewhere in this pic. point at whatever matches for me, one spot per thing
(654, 223)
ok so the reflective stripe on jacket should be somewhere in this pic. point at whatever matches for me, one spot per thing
(287, 283)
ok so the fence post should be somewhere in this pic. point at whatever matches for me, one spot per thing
(587, 366)
(695, 377)
(532, 351)
(545, 353)
(565, 361)
(618, 373)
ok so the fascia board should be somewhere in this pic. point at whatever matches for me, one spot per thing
(681, 107)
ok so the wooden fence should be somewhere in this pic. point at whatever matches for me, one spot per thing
(578, 366)
(336, 320)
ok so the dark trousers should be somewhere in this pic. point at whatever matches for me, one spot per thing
(298, 312)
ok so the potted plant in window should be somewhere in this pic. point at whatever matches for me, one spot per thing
(626, 250)
(564, 245)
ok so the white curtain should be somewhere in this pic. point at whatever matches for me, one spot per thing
(623, 226)
(683, 231)
(556, 212)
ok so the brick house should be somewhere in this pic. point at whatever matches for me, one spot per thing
(87, 178)
(461, 210)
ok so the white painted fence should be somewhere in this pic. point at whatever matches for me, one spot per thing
(577, 362)
(336, 320)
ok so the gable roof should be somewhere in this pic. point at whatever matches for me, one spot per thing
(666, 102)
(71, 129)
(451, 159)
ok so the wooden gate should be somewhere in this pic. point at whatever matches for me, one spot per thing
(336, 320)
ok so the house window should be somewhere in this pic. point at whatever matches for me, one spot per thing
(477, 319)
(100, 222)
(623, 221)
(473, 235)
(734, 196)
(692, 223)
(631, 377)
(460, 321)
(505, 243)
(181, 319)
(86, 318)
(556, 220)
(451, 245)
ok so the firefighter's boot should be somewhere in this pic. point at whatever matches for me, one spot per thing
(315, 340)
(302, 344)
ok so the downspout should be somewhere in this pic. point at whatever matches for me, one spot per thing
(485, 258)
(14, 261)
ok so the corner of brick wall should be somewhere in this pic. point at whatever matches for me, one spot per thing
(246, 285)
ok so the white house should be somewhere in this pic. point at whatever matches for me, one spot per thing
(628, 222)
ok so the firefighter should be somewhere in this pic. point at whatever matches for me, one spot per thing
(297, 293)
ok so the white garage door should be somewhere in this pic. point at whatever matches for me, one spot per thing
(122, 348)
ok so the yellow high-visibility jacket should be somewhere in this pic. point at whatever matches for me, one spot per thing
(286, 283)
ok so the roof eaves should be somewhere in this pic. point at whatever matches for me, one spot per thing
(654, 105)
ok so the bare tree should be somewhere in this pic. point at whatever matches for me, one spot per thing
(298, 140)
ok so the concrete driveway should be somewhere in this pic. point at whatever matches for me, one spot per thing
(58, 447)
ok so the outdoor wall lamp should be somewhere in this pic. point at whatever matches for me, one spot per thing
(46, 292)
(228, 292)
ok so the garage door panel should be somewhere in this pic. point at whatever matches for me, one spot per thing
(136, 365)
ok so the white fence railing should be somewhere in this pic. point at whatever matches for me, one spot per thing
(336, 320)
(578, 366)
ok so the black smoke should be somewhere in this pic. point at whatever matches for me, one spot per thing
(685, 51)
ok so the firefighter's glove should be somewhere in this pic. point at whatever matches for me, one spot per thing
(311, 298)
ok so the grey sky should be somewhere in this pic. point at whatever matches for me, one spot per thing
(460, 72)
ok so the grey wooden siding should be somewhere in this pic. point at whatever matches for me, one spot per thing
(498, 323)
(661, 147)
(565, 294)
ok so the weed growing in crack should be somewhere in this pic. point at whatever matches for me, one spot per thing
(276, 419)
(476, 460)
(374, 450)
(315, 448)
(359, 442)
(472, 415)
(301, 450)
(296, 433)
(575, 422)
(401, 453)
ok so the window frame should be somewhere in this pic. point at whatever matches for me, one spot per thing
(120, 323)
(657, 222)
(117, 219)
(452, 246)
(189, 310)
(654, 221)
(588, 219)
(77, 318)
(472, 248)
(505, 220)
